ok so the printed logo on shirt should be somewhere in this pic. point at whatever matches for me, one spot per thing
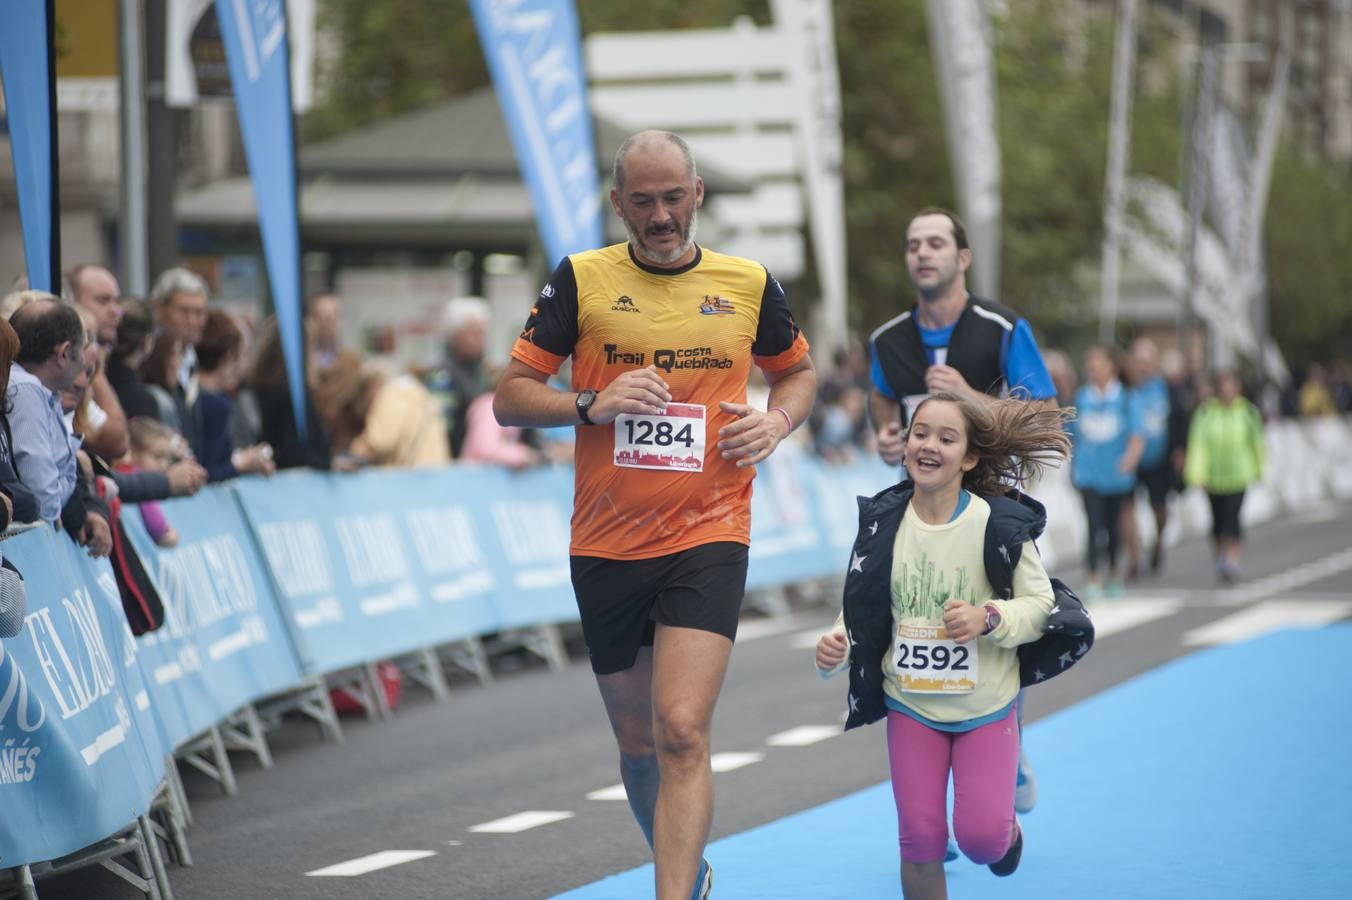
(625, 304)
(714, 305)
(689, 358)
(616, 356)
(547, 291)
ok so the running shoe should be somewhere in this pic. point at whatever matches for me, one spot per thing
(951, 852)
(1115, 589)
(1006, 864)
(704, 884)
(1025, 788)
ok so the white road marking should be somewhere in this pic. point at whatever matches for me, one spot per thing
(1283, 582)
(1270, 616)
(1115, 616)
(726, 762)
(363, 864)
(614, 792)
(803, 735)
(522, 821)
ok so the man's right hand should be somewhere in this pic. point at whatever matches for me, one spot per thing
(637, 391)
(186, 478)
(892, 444)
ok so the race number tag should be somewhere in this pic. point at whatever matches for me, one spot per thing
(927, 662)
(669, 440)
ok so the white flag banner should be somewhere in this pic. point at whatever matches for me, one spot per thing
(816, 79)
(960, 39)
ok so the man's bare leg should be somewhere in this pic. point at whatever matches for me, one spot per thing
(687, 674)
(628, 696)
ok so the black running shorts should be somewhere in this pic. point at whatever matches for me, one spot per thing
(622, 600)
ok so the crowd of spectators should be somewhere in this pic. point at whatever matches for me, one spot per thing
(88, 373)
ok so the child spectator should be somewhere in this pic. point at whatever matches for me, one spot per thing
(152, 450)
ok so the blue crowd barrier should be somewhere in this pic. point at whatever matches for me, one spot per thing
(305, 574)
(224, 642)
(81, 750)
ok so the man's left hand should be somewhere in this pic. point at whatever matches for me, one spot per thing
(96, 536)
(754, 435)
(946, 378)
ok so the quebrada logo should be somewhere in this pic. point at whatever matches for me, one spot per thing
(625, 303)
(714, 305)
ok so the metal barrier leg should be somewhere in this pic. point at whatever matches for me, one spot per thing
(310, 698)
(169, 827)
(424, 668)
(28, 890)
(546, 641)
(470, 656)
(175, 779)
(244, 731)
(152, 851)
(219, 768)
(376, 690)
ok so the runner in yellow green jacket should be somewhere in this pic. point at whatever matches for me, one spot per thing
(1226, 455)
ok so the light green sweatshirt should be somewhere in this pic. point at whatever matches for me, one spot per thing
(1226, 453)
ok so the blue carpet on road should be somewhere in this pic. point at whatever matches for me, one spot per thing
(1225, 774)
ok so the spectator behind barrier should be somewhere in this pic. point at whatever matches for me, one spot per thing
(135, 338)
(488, 442)
(159, 374)
(219, 356)
(462, 376)
(323, 314)
(262, 412)
(50, 360)
(152, 450)
(17, 502)
(94, 291)
(379, 420)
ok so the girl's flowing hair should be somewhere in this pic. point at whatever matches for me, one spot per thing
(1014, 440)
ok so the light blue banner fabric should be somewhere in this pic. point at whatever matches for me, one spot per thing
(25, 69)
(533, 48)
(377, 564)
(224, 642)
(255, 36)
(80, 750)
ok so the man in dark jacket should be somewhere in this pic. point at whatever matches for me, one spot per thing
(950, 341)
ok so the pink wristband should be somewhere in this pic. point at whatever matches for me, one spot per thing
(784, 413)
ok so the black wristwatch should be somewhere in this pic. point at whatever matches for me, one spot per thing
(584, 401)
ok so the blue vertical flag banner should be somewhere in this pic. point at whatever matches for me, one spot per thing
(28, 70)
(533, 48)
(256, 48)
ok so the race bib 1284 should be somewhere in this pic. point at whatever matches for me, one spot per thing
(672, 440)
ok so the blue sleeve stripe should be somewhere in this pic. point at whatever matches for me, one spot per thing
(1023, 365)
(879, 380)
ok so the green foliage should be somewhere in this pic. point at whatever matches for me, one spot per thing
(895, 157)
(393, 56)
(1052, 102)
(1308, 233)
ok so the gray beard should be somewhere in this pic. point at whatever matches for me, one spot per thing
(670, 256)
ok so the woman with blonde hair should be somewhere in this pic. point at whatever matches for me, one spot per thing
(381, 420)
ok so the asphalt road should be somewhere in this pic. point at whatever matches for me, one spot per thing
(537, 740)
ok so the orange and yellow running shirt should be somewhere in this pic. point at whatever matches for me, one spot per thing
(651, 485)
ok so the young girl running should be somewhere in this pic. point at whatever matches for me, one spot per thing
(945, 646)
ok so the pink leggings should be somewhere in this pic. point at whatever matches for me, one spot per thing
(984, 762)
